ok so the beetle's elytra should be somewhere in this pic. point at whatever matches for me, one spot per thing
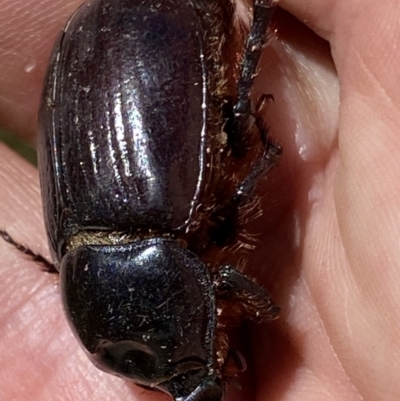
(149, 149)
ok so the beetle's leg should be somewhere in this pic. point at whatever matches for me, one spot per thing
(227, 226)
(47, 266)
(238, 298)
(261, 166)
(238, 112)
(262, 15)
(246, 298)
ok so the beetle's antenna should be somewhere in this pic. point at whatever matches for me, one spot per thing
(36, 257)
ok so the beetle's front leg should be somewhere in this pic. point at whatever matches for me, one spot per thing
(238, 298)
(246, 298)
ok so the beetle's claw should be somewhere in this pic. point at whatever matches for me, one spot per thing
(210, 389)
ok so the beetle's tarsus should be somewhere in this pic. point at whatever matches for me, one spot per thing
(36, 257)
(261, 166)
(234, 364)
(263, 11)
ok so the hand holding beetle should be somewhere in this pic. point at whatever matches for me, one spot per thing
(337, 288)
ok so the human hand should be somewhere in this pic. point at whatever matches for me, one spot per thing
(338, 284)
(329, 240)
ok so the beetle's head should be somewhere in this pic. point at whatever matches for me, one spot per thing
(145, 311)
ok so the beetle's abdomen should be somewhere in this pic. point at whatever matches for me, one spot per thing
(127, 117)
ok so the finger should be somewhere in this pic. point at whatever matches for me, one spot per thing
(358, 293)
(368, 190)
(28, 30)
(316, 14)
(296, 359)
(362, 35)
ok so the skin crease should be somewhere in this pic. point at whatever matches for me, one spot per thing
(330, 250)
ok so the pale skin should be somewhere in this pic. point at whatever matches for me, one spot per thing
(330, 247)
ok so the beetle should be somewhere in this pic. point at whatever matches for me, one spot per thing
(149, 152)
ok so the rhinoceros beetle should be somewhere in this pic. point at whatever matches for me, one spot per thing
(149, 151)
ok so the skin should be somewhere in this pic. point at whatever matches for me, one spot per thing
(329, 237)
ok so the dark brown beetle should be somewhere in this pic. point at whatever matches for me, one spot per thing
(149, 151)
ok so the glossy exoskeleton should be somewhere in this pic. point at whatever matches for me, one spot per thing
(149, 150)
